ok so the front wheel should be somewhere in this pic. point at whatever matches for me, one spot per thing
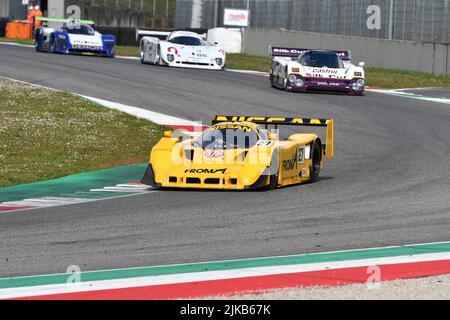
(52, 45)
(274, 171)
(158, 58)
(142, 56)
(36, 41)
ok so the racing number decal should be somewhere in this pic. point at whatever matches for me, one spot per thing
(301, 154)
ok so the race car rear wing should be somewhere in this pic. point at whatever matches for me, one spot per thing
(278, 121)
(47, 19)
(295, 52)
(157, 33)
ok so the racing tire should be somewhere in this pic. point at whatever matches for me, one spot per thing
(158, 56)
(36, 42)
(274, 170)
(273, 181)
(272, 80)
(52, 45)
(159, 60)
(142, 57)
(316, 160)
(285, 82)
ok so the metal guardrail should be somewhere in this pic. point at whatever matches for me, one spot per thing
(416, 20)
(161, 8)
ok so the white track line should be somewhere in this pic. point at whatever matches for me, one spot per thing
(137, 187)
(155, 117)
(45, 202)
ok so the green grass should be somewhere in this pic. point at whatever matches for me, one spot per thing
(48, 134)
(127, 51)
(21, 41)
(398, 79)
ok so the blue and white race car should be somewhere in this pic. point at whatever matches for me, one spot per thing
(75, 37)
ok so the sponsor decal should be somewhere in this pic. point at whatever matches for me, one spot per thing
(288, 51)
(291, 164)
(326, 71)
(214, 154)
(326, 83)
(292, 52)
(236, 17)
(84, 46)
(270, 120)
(175, 50)
(211, 171)
(304, 172)
(231, 126)
(201, 54)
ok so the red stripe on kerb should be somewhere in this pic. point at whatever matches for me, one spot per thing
(13, 208)
(259, 284)
(188, 128)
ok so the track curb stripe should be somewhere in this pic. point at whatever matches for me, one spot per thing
(438, 253)
(73, 189)
(259, 284)
(13, 208)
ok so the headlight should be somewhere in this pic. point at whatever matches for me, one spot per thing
(358, 85)
(170, 57)
(292, 78)
(299, 82)
(219, 61)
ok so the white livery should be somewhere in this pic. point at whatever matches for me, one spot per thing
(303, 70)
(181, 49)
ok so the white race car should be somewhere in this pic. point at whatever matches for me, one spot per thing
(181, 49)
(303, 70)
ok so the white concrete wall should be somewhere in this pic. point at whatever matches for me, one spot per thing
(402, 55)
(229, 39)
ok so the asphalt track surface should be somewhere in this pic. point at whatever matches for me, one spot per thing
(389, 183)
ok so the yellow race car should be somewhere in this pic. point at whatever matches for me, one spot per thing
(240, 153)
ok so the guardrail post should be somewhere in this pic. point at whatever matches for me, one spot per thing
(445, 18)
(391, 19)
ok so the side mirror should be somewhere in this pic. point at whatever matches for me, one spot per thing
(273, 136)
(167, 134)
(362, 64)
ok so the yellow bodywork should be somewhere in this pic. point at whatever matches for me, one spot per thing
(175, 164)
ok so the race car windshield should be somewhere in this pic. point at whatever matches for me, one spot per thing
(227, 139)
(321, 59)
(186, 41)
(79, 29)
